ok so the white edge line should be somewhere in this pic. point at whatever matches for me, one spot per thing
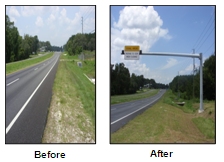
(21, 110)
(13, 82)
(89, 79)
(134, 111)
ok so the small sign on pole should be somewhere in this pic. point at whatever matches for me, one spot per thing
(131, 52)
(128, 55)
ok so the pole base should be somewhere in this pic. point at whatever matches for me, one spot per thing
(200, 111)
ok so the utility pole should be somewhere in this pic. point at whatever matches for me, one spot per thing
(82, 25)
(193, 74)
(178, 86)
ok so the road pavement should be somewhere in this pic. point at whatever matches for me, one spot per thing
(28, 96)
(121, 113)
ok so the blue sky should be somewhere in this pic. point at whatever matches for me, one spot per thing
(178, 29)
(52, 23)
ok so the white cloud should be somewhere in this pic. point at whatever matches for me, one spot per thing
(13, 19)
(137, 25)
(137, 68)
(13, 11)
(54, 9)
(188, 70)
(39, 21)
(139, 17)
(63, 17)
(33, 10)
(38, 10)
(141, 26)
(76, 20)
(170, 63)
(51, 18)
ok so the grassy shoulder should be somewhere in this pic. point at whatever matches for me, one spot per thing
(139, 95)
(166, 122)
(15, 66)
(71, 117)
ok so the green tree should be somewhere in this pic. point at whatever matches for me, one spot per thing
(11, 41)
(209, 78)
(48, 46)
(120, 80)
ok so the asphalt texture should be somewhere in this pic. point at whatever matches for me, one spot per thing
(28, 96)
(121, 114)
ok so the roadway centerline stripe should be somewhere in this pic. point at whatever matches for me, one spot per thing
(24, 106)
(134, 111)
(13, 81)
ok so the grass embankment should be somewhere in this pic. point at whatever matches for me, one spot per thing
(15, 66)
(71, 117)
(167, 122)
(139, 95)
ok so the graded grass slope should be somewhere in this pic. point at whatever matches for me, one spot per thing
(139, 95)
(166, 122)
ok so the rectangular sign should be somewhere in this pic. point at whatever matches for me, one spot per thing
(131, 48)
(128, 55)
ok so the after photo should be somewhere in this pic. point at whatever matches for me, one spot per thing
(162, 75)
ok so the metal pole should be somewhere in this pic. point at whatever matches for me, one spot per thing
(193, 75)
(201, 109)
(82, 25)
(178, 87)
(171, 54)
(201, 85)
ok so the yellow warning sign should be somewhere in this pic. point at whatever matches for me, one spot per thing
(131, 48)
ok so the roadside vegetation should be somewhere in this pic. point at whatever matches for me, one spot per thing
(15, 66)
(141, 94)
(167, 122)
(71, 117)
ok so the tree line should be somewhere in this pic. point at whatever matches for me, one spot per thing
(188, 86)
(79, 42)
(18, 47)
(124, 83)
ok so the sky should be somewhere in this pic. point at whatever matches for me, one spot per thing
(52, 23)
(175, 29)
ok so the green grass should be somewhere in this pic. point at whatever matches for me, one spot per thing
(140, 95)
(88, 67)
(71, 117)
(89, 52)
(165, 122)
(172, 100)
(15, 66)
(206, 126)
(85, 89)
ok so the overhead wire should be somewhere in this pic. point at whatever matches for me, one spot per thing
(86, 12)
(205, 39)
(203, 31)
(90, 11)
(85, 18)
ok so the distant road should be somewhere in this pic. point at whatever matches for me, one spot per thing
(120, 114)
(28, 96)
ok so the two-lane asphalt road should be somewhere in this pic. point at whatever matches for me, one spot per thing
(28, 96)
(120, 114)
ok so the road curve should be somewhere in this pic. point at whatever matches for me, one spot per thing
(28, 96)
(120, 114)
